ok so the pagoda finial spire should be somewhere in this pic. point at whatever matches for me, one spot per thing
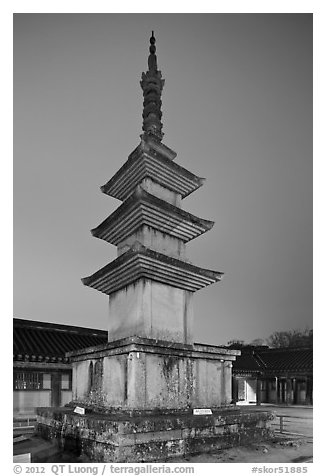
(152, 86)
(152, 60)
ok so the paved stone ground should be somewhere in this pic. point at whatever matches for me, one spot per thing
(284, 451)
(281, 450)
(297, 419)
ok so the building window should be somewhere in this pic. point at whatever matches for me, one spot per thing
(28, 381)
(65, 382)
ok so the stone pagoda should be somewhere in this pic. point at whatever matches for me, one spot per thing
(158, 393)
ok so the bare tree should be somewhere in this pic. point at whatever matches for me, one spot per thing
(293, 338)
(258, 342)
(236, 342)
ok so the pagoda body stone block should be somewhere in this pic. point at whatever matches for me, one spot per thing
(151, 309)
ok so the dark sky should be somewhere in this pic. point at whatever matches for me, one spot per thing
(237, 108)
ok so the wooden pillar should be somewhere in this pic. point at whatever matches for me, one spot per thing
(287, 386)
(267, 391)
(56, 389)
(295, 391)
(258, 391)
(223, 394)
(234, 389)
(276, 393)
(290, 392)
(309, 390)
(306, 390)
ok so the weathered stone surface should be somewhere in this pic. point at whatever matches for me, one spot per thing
(140, 373)
(120, 437)
(153, 310)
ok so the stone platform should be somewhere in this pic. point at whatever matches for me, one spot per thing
(140, 436)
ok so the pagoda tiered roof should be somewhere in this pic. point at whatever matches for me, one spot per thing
(143, 208)
(148, 162)
(151, 185)
(141, 262)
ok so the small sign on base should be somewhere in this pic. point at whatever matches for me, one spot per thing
(80, 410)
(202, 411)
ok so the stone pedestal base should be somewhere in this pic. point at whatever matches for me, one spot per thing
(136, 373)
(151, 436)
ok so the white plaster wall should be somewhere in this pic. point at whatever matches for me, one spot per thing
(27, 401)
(251, 390)
(66, 397)
(301, 396)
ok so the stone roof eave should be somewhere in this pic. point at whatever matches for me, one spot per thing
(141, 262)
(160, 215)
(143, 164)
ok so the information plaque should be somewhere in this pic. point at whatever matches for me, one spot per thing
(202, 411)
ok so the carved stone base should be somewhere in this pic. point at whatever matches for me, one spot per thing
(151, 436)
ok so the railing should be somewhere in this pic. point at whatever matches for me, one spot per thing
(24, 424)
(289, 425)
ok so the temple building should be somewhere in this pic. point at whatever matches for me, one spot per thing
(278, 376)
(42, 374)
(158, 392)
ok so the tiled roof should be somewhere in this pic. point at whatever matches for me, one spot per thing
(40, 341)
(46, 342)
(287, 359)
(273, 361)
(247, 362)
